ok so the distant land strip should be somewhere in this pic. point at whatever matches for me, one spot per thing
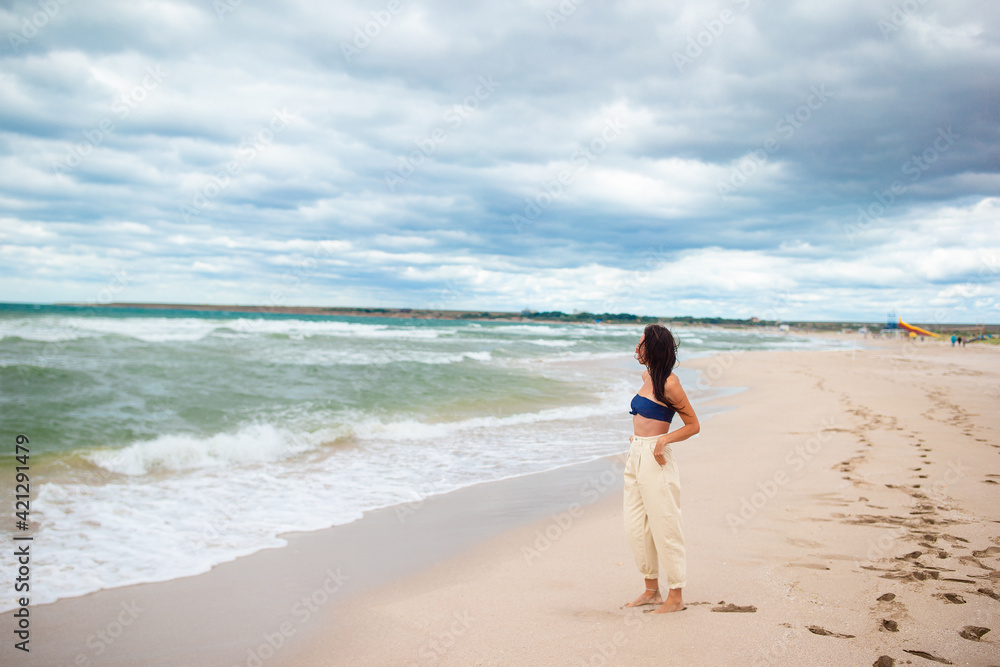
(538, 316)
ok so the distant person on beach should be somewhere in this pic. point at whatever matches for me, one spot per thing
(960, 340)
(953, 339)
(652, 482)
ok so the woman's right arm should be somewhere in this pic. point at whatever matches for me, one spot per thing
(678, 399)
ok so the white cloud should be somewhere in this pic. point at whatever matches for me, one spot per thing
(650, 198)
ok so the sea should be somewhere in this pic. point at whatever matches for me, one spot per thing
(165, 442)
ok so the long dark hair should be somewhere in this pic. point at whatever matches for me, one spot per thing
(658, 351)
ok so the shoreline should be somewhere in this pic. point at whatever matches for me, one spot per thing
(313, 571)
(880, 478)
(446, 556)
(603, 367)
(528, 496)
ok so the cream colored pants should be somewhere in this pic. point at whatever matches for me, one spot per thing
(653, 512)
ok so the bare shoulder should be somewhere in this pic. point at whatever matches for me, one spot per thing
(674, 387)
(677, 397)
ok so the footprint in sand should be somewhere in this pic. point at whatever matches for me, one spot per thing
(732, 608)
(811, 566)
(884, 661)
(953, 598)
(916, 575)
(890, 626)
(929, 656)
(798, 542)
(988, 592)
(973, 632)
(888, 597)
(817, 630)
(989, 551)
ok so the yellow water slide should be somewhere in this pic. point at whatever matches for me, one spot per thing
(918, 330)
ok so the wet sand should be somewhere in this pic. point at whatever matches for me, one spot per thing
(253, 610)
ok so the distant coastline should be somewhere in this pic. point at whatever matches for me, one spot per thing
(528, 316)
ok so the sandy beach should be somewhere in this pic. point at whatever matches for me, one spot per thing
(847, 502)
(838, 478)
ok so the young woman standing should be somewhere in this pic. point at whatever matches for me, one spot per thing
(652, 483)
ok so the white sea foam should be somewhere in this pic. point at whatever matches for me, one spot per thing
(337, 328)
(553, 343)
(254, 443)
(263, 443)
(149, 329)
(339, 357)
(228, 496)
(130, 532)
(165, 329)
(41, 329)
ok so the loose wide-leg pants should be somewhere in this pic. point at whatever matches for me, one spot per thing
(653, 512)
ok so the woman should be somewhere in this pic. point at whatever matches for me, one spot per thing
(652, 484)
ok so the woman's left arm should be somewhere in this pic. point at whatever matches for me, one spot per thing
(677, 397)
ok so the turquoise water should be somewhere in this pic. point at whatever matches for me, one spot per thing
(165, 442)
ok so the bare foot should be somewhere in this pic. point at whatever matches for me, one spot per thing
(649, 597)
(674, 602)
(668, 607)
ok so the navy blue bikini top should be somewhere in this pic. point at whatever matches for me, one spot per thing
(651, 409)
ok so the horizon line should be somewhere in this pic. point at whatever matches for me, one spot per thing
(404, 309)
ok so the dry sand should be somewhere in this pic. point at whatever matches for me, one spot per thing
(835, 479)
(838, 478)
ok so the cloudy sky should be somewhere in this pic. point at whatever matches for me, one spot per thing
(794, 160)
